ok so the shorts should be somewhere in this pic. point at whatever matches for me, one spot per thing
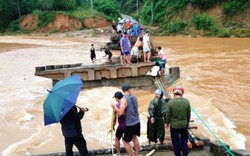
(163, 64)
(92, 57)
(119, 133)
(130, 131)
(135, 51)
(127, 53)
(122, 53)
(146, 48)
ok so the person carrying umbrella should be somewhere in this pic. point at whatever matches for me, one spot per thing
(72, 131)
(59, 106)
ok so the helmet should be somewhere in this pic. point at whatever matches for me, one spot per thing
(178, 90)
(158, 91)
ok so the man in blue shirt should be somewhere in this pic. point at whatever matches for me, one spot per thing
(125, 48)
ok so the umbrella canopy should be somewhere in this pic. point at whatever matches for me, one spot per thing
(61, 98)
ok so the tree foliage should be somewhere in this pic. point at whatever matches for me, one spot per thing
(107, 7)
(8, 12)
(205, 4)
(203, 22)
(232, 7)
(157, 11)
(130, 6)
(11, 10)
(161, 12)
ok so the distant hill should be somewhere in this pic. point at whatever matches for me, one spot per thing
(202, 17)
(55, 15)
(222, 18)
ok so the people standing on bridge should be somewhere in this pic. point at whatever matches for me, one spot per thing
(114, 25)
(178, 116)
(119, 28)
(129, 107)
(156, 121)
(163, 61)
(125, 48)
(135, 49)
(147, 47)
(109, 53)
(128, 24)
(72, 131)
(135, 29)
(92, 54)
(121, 123)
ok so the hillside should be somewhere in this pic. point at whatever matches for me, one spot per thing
(61, 22)
(222, 18)
(55, 15)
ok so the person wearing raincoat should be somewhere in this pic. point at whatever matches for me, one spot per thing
(156, 121)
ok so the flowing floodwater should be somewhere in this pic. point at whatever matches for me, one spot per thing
(214, 73)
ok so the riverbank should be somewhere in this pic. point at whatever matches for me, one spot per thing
(154, 31)
(211, 68)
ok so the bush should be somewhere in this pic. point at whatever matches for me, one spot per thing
(44, 17)
(203, 22)
(55, 30)
(230, 8)
(241, 32)
(205, 4)
(14, 26)
(224, 33)
(176, 28)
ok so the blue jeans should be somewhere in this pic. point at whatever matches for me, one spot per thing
(179, 141)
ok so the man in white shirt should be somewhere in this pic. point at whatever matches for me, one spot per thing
(146, 47)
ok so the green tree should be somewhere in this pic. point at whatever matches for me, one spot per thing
(232, 7)
(129, 6)
(8, 11)
(107, 7)
(65, 4)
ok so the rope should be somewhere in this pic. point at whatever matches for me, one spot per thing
(203, 122)
(199, 117)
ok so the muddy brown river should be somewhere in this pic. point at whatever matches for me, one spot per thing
(214, 73)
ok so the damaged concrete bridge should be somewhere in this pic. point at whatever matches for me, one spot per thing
(105, 75)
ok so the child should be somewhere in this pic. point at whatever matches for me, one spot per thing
(92, 54)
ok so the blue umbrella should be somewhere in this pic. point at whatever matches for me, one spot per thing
(61, 98)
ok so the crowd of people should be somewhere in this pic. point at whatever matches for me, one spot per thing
(162, 114)
(131, 27)
(126, 31)
(176, 112)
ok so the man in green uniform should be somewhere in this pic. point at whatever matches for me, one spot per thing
(157, 112)
(178, 116)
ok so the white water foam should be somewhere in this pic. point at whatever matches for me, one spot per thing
(22, 147)
(218, 123)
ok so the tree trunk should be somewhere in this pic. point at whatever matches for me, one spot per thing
(18, 8)
(91, 3)
(137, 6)
(152, 12)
